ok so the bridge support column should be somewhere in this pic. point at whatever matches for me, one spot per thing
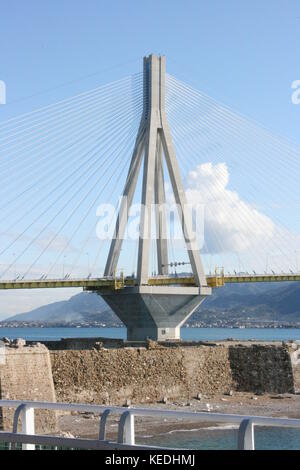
(160, 212)
(155, 312)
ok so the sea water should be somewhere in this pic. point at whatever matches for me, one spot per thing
(225, 438)
(192, 334)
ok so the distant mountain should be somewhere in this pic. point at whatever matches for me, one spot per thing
(83, 307)
(259, 302)
(281, 298)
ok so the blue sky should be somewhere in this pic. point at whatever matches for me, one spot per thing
(243, 53)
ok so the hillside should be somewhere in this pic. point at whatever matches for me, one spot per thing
(83, 307)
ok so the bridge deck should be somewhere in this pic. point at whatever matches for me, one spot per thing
(119, 283)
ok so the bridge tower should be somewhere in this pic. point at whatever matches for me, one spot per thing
(150, 311)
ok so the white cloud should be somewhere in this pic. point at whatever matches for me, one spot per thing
(50, 241)
(230, 223)
(56, 243)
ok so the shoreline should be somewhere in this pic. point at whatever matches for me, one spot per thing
(272, 405)
(195, 334)
(272, 326)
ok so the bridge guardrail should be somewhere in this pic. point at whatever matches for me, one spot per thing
(126, 428)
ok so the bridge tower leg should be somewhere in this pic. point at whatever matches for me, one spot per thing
(160, 213)
(149, 311)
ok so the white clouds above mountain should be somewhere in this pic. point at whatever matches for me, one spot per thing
(231, 224)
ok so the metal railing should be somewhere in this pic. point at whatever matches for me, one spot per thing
(24, 411)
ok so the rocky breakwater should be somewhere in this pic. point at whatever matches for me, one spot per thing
(168, 372)
(141, 375)
(150, 373)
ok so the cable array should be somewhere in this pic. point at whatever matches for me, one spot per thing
(57, 165)
(246, 178)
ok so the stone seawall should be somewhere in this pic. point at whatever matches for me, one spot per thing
(26, 374)
(262, 369)
(112, 376)
(139, 374)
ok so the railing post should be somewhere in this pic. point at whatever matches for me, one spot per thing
(129, 430)
(246, 435)
(126, 434)
(102, 429)
(27, 422)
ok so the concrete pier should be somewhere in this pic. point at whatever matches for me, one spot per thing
(155, 313)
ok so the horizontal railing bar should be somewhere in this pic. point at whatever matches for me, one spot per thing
(201, 416)
(85, 408)
(75, 443)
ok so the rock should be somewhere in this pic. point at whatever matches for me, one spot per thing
(98, 345)
(229, 394)
(152, 344)
(199, 396)
(18, 343)
(67, 435)
(164, 400)
(6, 340)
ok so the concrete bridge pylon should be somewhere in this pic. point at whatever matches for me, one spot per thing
(155, 312)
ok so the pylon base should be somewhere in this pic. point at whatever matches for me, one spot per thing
(155, 313)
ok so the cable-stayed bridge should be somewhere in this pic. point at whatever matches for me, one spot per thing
(232, 187)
